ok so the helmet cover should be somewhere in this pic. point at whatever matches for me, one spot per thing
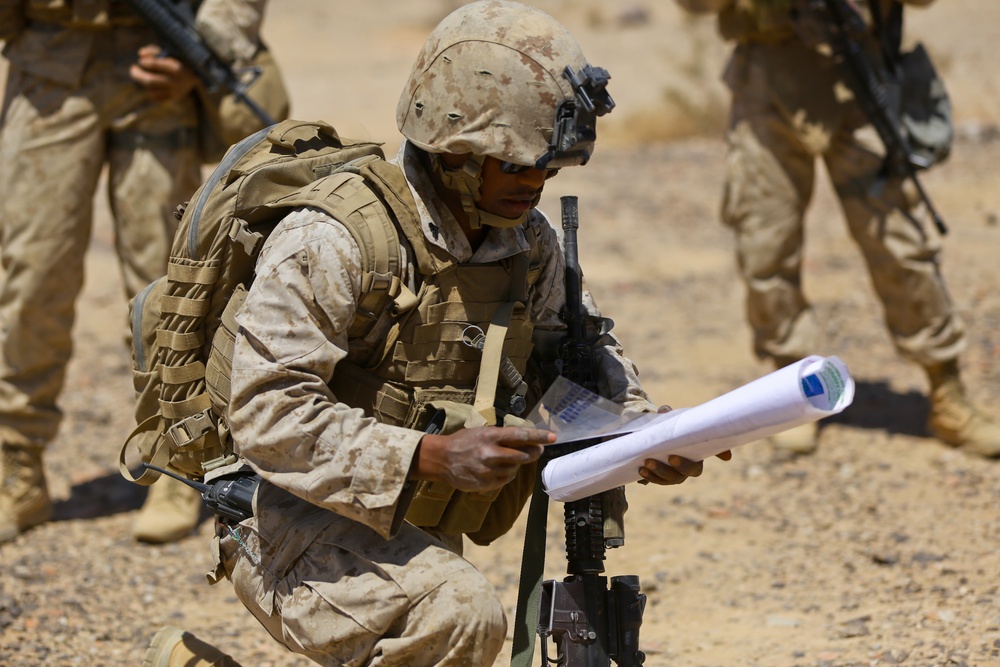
(507, 80)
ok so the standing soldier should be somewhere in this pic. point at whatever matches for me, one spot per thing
(88, 87)
(790, 107)
(353, 556)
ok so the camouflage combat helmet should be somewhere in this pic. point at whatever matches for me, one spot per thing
(505, 80)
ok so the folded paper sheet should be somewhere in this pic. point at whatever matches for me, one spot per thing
(808, 390)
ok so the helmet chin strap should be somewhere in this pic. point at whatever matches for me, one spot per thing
(466, 180)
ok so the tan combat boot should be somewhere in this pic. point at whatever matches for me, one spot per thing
(172, 647)
(171, 511)
(798, 440)
(24, 494)
(954, 419)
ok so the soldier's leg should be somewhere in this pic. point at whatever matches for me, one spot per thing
(901, 247)
(153, 165)
(355, 598)
(51, 152)
(769, 181)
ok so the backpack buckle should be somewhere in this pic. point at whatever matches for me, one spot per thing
(239, 233)
(189, 429)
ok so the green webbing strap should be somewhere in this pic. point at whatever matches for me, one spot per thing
(530, 585)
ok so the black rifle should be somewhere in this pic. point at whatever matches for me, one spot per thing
(589, 623)
(173, 23)
(845, 31)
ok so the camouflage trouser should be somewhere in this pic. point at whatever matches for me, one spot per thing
(353, 598)
(781, 121)
(54, 142)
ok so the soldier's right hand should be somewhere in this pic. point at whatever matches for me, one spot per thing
(163, 78)
(478, 459)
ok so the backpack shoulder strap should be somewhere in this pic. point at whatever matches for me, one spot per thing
(387, 179)
(346, 196)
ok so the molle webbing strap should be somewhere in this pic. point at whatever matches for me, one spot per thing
(183, 306)
(198, 272)
(176, 340)
(489, 368)
(191, 372)
(184, 408)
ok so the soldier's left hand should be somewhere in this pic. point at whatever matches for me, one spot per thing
(164, 78)
(675, 469)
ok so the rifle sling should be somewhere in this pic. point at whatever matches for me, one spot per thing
(530, 582)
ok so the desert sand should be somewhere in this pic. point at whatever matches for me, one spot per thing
(881, 548)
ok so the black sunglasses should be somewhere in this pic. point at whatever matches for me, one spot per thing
(514, 168)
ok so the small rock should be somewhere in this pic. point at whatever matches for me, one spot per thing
(782, 622)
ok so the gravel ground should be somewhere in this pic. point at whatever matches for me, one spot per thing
(880, 549)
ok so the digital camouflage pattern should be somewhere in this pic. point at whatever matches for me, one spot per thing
(70, 108)
(328, 564)
(791, 106)
(348, 473)
(480, 87)
(788, 109)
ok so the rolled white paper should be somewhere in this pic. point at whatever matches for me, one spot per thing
(806, 391)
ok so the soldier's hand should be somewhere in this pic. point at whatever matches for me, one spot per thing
(164, 78)
(478, 459)
(674, 470)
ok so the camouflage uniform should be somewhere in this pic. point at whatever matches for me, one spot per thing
(790, 106)
(788, 109)
(328, 565)
(70, 108)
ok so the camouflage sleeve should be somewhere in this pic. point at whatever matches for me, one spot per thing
(286, 423)
(231, 27)
(617, 375)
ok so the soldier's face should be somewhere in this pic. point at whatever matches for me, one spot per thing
(510, 195)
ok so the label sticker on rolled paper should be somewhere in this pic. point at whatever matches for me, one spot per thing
(812, 386)
(827, 385)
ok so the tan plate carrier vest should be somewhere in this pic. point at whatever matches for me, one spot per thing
(412, 354)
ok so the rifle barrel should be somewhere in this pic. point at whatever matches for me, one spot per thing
(574, 277)
(183, 42)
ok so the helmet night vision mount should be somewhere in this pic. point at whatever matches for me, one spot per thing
(575, 128)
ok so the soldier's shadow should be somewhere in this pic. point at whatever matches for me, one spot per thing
(102, 496)
(877, 407)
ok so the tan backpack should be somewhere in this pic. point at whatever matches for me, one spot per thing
(183, 324)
